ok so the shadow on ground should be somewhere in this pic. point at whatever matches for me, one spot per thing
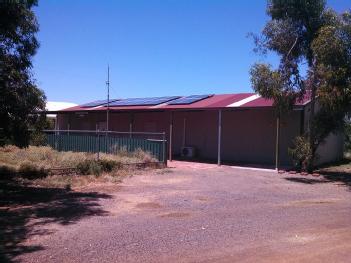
(25, 210)
(223, 162)
(326, 176)
(343, 178)
(306, 180)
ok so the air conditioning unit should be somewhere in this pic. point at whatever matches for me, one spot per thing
(188, 152)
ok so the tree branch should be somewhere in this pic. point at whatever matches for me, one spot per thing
(292, 47)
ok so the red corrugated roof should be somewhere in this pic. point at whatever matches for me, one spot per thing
(261, 102)
(239, 100)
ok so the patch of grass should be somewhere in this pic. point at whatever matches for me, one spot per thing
(89, 167)
(69, 181)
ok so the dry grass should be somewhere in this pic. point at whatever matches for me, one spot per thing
(79, 181)
(34, 165)
(47, 158)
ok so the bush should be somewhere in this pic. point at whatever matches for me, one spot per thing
(301, 153)
(96, 167)
(120, 151)
(109, 165)
(347, 132)
(145, 157)
(85, 167)
(37, 138)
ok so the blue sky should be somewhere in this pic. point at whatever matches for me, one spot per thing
(153, 47)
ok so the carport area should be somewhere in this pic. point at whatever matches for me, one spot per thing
(206, 213)
(229, 136)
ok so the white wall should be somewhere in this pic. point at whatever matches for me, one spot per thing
(331, 150)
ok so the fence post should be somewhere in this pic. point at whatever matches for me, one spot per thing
(98, 145)
(164, 148)
(106, 142)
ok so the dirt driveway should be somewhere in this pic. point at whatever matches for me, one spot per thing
(204, 213)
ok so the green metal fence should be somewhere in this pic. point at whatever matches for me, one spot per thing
(108, 142)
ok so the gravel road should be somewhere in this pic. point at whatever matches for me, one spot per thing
(205, 213)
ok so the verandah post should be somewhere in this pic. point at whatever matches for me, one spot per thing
(98, 144)
(170, 137)
(277, 144)
(219, 136)
(164, 148)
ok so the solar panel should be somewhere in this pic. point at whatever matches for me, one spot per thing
(143, 101)
(97, 103)
(189, 99)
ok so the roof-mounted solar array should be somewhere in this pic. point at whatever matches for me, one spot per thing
(97, 103)
(189, 99)
(143, 101)
(170, 100)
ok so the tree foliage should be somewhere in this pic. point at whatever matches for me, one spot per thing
(20, 97)
(313, 43)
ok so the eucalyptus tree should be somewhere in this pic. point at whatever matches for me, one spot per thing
(313, 43)
(19, 96)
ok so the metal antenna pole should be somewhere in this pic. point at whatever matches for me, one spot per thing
(108, 97)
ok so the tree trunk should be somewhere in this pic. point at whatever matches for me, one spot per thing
(311, 131)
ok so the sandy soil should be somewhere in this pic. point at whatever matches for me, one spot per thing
(202, 213)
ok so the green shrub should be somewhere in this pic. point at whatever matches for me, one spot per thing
(87, 167)
(121, 151)
(109, 165)
(37, 138)
(96, 167)
(347, 132)
(144, 157)
(301, 153)
(84, 167)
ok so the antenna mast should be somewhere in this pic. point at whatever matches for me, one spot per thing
(108, 97)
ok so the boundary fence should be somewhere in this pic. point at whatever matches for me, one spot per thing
(108, 142)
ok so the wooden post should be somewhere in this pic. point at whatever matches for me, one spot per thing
(184, 132)
(164, 154)
(219, 136)
(170, 136)
(98, 145)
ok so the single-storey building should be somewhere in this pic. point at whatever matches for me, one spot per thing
(237, 128)
(52, 106)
